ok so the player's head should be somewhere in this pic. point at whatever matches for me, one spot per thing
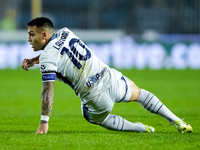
(43, 23)
(40, 30)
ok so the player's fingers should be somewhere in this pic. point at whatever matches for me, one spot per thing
(28, 65)
(36, 133)
(24, 61)
(41, 132)
(25, 68)
(25, 64)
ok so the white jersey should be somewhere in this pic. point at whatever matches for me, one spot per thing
(67, 59)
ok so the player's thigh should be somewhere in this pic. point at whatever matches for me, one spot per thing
(98, 108)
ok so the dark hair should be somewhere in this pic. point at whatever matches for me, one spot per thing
(41, 22)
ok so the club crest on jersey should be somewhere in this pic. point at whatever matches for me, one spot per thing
(96, 78)
(43, 67)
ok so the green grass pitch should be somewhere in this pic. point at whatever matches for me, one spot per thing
(20, 109)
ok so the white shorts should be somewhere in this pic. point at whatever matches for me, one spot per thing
(96, 109)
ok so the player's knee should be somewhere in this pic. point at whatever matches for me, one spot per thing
(113, 122)
(135, 92)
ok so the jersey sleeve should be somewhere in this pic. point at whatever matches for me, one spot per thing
(48, 67)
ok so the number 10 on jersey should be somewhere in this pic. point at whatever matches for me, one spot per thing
(74, 54)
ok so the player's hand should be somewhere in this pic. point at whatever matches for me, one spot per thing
(42, 129)
(27, 63)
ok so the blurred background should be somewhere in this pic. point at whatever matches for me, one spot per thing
(125, 34)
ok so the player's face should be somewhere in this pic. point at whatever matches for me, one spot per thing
(36, 38)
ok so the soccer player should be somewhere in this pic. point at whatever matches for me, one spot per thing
(67, 59)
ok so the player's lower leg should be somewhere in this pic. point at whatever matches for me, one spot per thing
(151, 103)
(114, 122)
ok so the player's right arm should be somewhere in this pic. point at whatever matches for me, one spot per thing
(47, 104)
(27, 63)
(48, 79)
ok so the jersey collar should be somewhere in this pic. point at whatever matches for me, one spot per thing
(52, 38)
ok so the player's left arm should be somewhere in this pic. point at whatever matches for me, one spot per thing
(27, 63)
(47, 103)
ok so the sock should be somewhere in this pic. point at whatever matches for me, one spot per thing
(114, 122)
(151, 103)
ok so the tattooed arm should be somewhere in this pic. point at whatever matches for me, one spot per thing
(47, 103)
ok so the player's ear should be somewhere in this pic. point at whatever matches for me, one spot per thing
(45, 34)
